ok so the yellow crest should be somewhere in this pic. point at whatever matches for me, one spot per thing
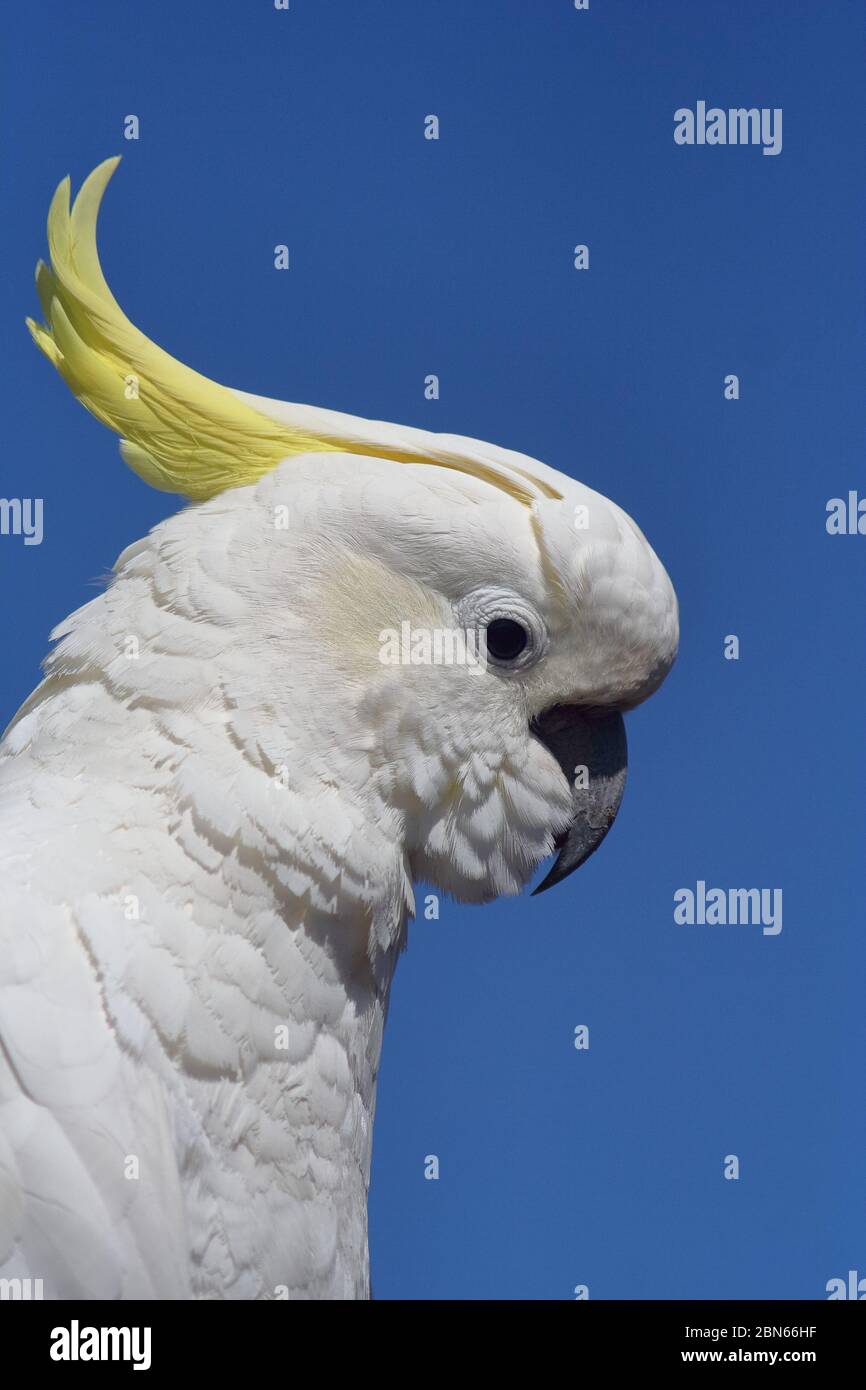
(180, 431)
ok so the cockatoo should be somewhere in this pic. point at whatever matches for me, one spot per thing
(214, 807)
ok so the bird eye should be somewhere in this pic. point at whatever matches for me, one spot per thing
(506, 639)
(513, 633)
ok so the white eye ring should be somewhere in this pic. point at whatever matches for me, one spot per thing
(482, 607)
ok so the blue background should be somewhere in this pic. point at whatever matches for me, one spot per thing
(258, 126)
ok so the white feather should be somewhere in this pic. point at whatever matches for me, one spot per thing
(211, 812)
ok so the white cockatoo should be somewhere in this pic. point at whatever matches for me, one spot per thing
(213, 808)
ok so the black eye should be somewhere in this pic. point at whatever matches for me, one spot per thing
(506, 639)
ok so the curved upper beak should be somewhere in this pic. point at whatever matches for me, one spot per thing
(590, 747)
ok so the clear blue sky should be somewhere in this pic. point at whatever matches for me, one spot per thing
(558, 1167)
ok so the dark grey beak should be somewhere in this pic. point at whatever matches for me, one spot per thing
(594, 740)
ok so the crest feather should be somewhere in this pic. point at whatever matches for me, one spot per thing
(180, 431)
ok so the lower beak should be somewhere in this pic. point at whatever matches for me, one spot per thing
(590, 747)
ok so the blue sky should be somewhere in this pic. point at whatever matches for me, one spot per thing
(558, 1167)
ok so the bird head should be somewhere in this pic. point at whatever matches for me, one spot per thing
(483, 645)
(475, 622)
